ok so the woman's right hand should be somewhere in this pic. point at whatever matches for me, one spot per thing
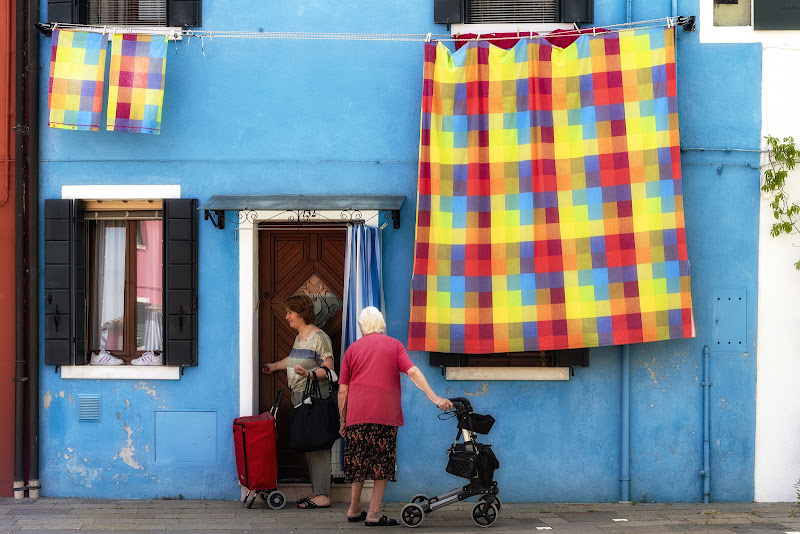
(266, 369)
(442, 403)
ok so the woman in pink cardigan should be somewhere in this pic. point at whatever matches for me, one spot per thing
(370, 411)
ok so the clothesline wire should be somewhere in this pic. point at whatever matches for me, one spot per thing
(402, 37)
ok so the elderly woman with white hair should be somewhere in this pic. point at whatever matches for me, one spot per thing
(370, 411)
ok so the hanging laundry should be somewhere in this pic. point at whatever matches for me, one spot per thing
(77, 71)
(136, 83)
(550, 207)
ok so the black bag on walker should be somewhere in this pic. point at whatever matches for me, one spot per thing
(467, 463)
(314, 424)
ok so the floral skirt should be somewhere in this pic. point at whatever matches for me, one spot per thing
(370, 452)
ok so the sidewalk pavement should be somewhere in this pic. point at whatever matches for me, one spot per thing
(52, 515)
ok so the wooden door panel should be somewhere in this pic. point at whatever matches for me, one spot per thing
(288, 258)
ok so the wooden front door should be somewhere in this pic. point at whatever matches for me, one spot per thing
(306, 260)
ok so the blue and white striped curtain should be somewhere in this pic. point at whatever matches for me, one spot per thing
(363, 281)
(363, 286)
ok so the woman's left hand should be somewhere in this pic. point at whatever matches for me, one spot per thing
(301, 371)
(342, 426)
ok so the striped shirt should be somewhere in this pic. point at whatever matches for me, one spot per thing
(308, 354)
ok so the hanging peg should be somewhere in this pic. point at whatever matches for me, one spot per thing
(517, 32)
(428, 38)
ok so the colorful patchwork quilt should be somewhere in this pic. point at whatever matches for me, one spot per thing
(136, 83)
(77, 74)
(549, 208)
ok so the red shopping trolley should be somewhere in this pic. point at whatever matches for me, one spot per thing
(255, 439)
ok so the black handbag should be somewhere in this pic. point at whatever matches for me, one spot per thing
(314, 424)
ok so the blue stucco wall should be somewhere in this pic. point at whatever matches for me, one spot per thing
(334, 117)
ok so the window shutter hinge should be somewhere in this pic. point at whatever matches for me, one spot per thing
(194, 303)
(20, 379)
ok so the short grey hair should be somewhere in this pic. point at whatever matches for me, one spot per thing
(370, 320)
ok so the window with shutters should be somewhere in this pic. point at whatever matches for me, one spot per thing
(125, 278)
(148, 13)
(490, 11)
(513, 11)
(128, 12)
(120, 276)
(510, 365)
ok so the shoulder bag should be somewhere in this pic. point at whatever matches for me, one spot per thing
(314, 424)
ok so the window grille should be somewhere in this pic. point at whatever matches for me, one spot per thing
(498, 11)
(128, 12)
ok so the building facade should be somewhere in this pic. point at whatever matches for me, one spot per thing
(340, 118)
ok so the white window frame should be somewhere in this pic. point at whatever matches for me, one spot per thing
(741, 34)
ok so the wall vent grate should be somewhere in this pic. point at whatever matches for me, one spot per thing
(89, 408)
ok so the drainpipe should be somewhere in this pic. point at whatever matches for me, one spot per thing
(629, 11)
(32, 228)
(625, 433)
(706, 472)
(19, 251)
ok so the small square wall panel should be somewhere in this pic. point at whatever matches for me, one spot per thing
(729, 320)
(186, 436)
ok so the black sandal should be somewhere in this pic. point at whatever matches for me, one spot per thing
(309, 504)
(382, 522)
(357, 518)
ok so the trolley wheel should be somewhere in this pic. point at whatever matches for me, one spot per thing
(250, 499)
(484, 515)
(412, 515)
(276, 499)
(497, 502)
(419, 498)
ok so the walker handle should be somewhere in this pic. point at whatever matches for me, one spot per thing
(461, 405)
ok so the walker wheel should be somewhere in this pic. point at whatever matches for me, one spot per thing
(276, 499)
(483, 515)
(419, 498)
(412, 515)
(497, 502)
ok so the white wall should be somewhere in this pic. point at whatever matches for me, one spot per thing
(777, 467)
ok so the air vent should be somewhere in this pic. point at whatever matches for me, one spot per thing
(89, 408)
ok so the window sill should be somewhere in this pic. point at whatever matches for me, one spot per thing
(120, 372)
(507, 373)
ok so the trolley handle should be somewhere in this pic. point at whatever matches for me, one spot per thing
(277, 403)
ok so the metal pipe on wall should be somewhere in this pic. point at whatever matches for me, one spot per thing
(706, 472)
(19, 178)
(625, 432)
(32, 228)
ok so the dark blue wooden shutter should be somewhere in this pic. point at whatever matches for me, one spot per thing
(184, 12)
(581, 11)
(68, 11)
(64, 283)
(180, 281)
